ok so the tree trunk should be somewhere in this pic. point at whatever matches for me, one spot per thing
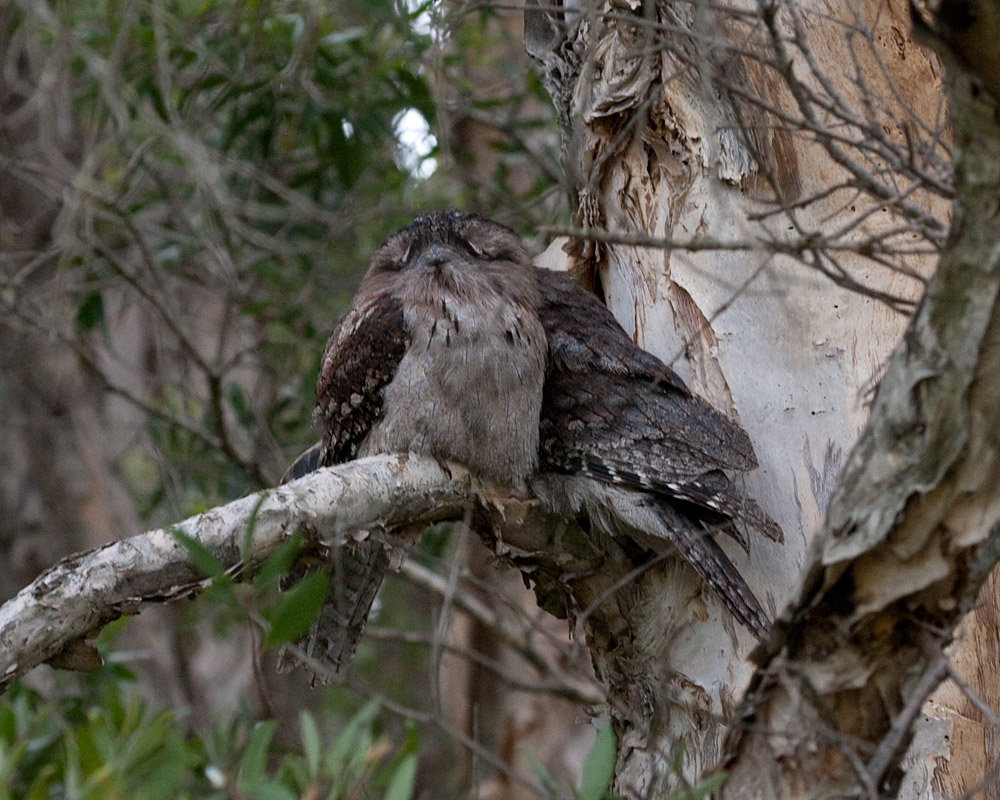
(799, 151)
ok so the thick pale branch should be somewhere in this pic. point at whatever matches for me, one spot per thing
(74, 598)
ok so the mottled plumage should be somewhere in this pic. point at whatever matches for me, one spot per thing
(614, 414)
(361, 357)
(442, 353)
(445, 351)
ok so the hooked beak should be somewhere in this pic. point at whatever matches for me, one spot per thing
(434, 257)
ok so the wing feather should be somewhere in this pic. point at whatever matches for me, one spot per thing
(361, 357)
(618, 414)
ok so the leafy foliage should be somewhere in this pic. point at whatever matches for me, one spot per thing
(235, 163)
(111, 746)
(599, 768)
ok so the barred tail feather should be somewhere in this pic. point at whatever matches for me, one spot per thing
(711, 490)
(357, 573)
(721, 575)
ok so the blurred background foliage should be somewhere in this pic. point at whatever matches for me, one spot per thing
(104, 744)
(189, 193)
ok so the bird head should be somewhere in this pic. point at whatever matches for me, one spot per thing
(463, 255)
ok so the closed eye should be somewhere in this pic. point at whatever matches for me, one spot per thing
(490, 255)
(474, 249)
(389, 265)
(387, 259)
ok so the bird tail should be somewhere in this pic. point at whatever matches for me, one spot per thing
(356, 570)
(703, 553)
(307, 462)
(714, 490)
(658, 524)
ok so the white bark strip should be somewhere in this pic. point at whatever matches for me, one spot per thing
(74, 598)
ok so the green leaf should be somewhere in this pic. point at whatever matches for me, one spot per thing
(254, 761)
(310, 742)
(200, 556)
(599, 767)
(338, 755)
(41, 786)
(297, 609)
(403, 780)
(8, 725)
(110, 631)
(91, 312)
(238, 402)
(277, 564)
